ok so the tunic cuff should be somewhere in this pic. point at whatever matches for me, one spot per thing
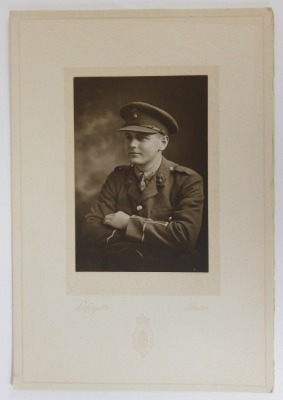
(135, 228)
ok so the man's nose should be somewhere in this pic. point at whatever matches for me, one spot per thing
(133, 143)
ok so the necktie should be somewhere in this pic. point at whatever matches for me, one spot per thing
(142, 182)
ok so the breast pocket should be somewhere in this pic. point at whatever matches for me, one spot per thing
(162, 214)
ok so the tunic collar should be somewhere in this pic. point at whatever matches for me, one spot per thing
(160, 180)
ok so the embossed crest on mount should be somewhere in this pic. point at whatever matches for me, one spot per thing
(143, 336)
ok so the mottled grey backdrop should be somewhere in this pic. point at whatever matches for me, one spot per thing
(99, 148)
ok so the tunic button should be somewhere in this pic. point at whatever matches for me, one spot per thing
(139, 207)
(171, 168)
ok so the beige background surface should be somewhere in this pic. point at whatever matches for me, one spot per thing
(195, 336)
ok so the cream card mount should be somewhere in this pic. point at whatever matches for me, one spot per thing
(75, 328)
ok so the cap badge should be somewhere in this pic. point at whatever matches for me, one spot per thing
(134, 114)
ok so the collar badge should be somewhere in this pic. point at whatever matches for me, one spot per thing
(160, 180)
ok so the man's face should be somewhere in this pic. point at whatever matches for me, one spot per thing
(143, 149)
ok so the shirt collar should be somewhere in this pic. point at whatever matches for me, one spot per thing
(150, 173)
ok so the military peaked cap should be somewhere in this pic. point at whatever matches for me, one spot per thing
(146, 118)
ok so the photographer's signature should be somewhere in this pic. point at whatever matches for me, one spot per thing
(195, 306)
(87, 308)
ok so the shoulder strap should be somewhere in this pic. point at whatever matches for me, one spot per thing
(181, 169)
(122, 168)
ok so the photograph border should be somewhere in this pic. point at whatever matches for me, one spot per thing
(146, 283)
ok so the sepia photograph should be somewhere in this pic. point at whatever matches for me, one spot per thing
(141, 179)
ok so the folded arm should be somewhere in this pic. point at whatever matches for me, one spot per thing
(183, 228)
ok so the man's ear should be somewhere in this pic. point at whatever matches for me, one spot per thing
(164, 142)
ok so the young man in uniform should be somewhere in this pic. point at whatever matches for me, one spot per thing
(148, 214)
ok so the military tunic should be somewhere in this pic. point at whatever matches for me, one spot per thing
(165, 218)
